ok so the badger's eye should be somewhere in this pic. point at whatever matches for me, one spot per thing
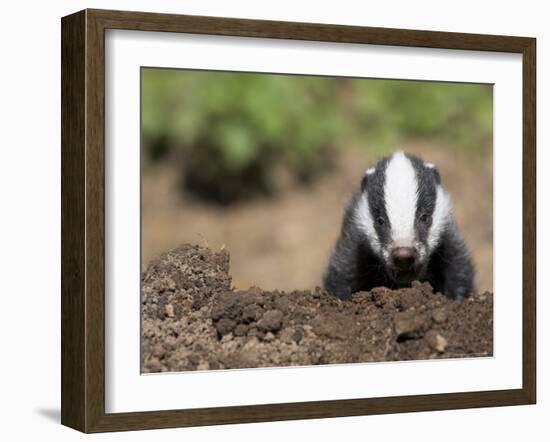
(424, 218)
(381, 221)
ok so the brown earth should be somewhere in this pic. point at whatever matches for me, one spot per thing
(192, 319)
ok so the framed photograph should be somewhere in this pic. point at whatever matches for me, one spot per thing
(270, 220)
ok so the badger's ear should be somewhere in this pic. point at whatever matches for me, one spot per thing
(364, 181)
(431, 166)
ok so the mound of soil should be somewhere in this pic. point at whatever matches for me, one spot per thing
(192, 319)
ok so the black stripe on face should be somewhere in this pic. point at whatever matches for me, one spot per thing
(374, 185)
(428, 180)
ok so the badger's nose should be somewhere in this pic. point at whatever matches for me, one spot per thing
(403, 257)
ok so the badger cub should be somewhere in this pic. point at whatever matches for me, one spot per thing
(399, 228)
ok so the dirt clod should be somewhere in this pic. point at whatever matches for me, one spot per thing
(193, 320)
(170, 310)
(436, 341)
(440, 315)
(410, 324)
(225, 326)
(271, 321)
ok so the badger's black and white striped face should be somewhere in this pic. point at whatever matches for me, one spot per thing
(403, 211)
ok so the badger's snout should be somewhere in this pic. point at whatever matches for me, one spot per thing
(404, 258)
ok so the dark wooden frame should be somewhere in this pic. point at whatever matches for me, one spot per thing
(83, 216)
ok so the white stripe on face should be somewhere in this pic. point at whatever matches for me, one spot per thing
(400, 194)
(442, 212)
(363, 219)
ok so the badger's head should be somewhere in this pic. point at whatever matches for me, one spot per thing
(403, 211)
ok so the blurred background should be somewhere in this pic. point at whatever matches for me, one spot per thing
(263, 164)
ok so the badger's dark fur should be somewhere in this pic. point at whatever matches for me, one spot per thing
(397, 228)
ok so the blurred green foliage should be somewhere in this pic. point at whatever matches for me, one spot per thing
(233, 130)
(457, 114)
